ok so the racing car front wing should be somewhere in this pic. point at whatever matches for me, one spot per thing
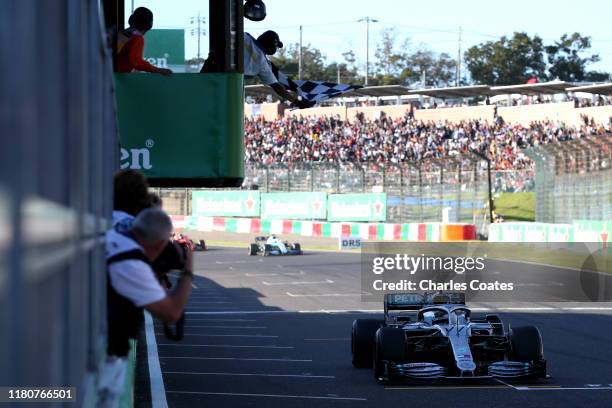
(499, 369)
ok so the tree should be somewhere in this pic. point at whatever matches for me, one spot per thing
(313, 61)
(436, 70)
(565, 60)
(597, 76)
(389, 60)
(507, 61)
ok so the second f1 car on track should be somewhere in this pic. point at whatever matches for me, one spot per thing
(434, 336)
(272, 245)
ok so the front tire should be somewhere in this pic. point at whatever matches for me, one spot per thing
(526, 344)
(253, 248)
(390, 346)
(362, 341)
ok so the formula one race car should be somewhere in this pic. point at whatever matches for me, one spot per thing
(434, 336)
(272, 245)
(189, 243)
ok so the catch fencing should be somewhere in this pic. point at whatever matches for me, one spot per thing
(573, 180)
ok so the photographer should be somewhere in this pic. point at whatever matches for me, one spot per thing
(133, 284)
(131, 195)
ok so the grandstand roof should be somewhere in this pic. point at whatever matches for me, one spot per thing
(454, 92)
(553, 87)
(600, 89)
(382, 90)
(373, 91)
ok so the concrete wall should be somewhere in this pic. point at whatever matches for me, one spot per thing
(270, 111)
(455, 114)
(320, 111)
(601, 114)
(523, 114)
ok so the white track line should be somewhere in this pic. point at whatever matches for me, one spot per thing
(251, 374)
(227, 327)
(221, 320)
(285, 311)
(324, 295)
(339, 311)
(158, 393)
(224, 346)
(259, 275)
(563, 388)
(326, 281)
(254, 336)
(235, 394)
(280, 360)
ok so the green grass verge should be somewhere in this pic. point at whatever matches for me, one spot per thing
(516, 206)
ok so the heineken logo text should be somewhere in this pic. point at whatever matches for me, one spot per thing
(138, 159)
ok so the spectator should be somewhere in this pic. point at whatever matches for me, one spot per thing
(292, 140)
(156, 200)
(131, 195)
(130, 44)
(132, 287)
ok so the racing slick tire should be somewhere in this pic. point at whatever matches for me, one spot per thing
(298, 248)
(267, 249)
(526, 344)
(203, 245)
(362, 341)
(253, 248)
(389, 345)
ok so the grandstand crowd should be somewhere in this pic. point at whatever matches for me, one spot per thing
(295, 139)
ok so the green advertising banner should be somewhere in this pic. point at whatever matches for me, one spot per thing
(165, 47)
(296, 206)
(185, 130)
(357, 207)
(225, 203)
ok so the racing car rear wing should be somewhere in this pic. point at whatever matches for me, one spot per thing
(416, 301)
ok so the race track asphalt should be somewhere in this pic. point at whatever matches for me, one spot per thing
(275, 332)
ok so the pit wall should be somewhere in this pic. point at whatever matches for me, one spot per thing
(432, 232)
(579, 231)
(524, 114)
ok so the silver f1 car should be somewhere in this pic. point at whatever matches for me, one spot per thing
(434, 336)
(272, 245)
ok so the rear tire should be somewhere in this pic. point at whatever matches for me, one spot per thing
(362, 341)
(526, 344)
(390, 345)
(298, 248)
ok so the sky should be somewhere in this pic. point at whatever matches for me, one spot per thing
(332, 25)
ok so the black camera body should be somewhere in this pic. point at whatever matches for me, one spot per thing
(172, 258)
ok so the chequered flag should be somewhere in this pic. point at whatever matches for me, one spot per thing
(314, 91)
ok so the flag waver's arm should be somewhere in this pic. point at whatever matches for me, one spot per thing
(284, 93)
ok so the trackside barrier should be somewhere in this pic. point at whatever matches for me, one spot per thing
(367, 231)
(579, 231)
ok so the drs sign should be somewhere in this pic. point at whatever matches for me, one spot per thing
(349, 243)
